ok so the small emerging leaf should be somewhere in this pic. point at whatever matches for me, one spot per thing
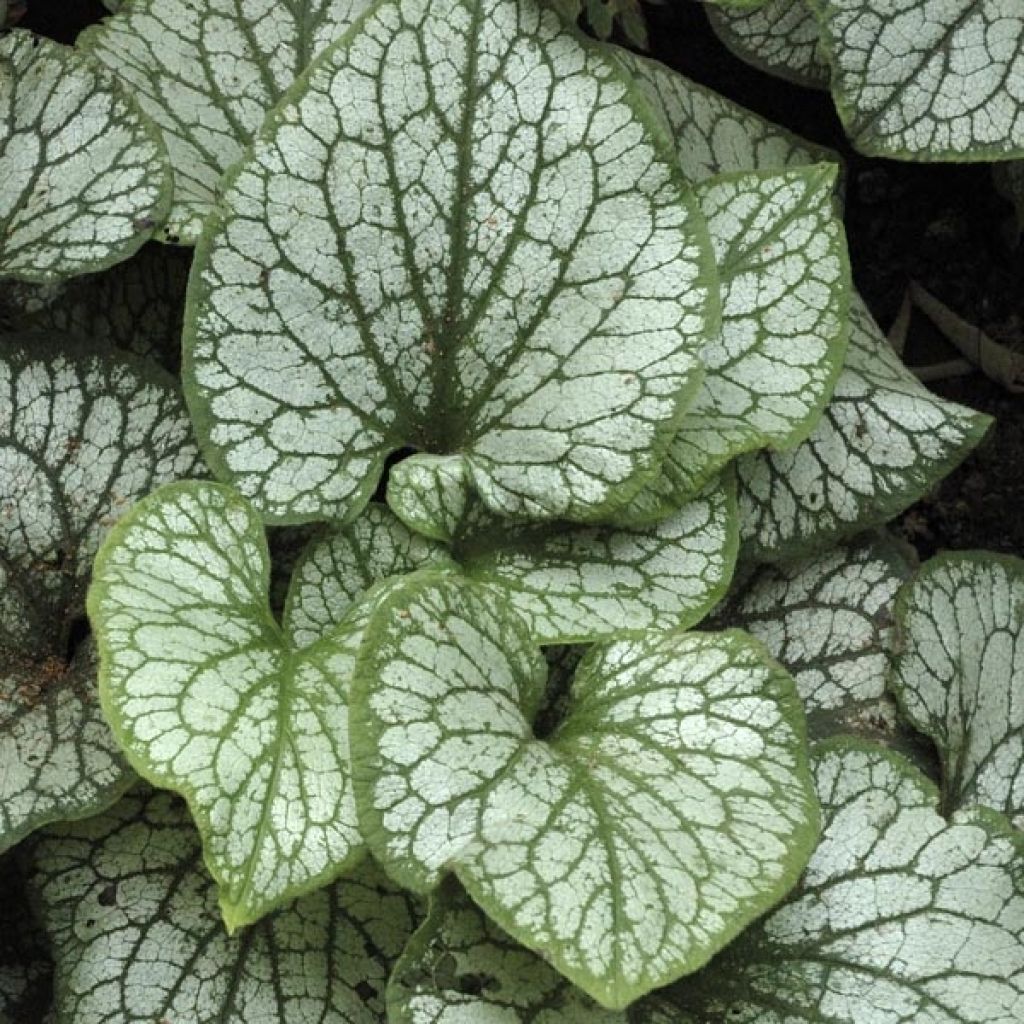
(669, 808)
(132, 918)
(959, 671)
(83, 174)
(431, 494)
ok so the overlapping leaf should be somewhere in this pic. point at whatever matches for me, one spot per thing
(575, 584)
(431, 494)
(210, 698)
(781, 37)
(883, 441)
(928, 79)
(959, 670)
(828, 620)
(207, 72)
(669, 808)
(461, 233)
(83, 434)
(83, 174)
(132, 918)
(460, 966)
(901, 917)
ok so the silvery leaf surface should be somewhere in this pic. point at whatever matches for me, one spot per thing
(83, 173)
(959, 672)
(669, 807)
(407, 258)
(207, 72)
(132, 917)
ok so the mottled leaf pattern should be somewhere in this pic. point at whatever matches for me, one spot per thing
(928, 79)
(408, 258)
(901, 916)
(207, 72)
(785, 283)
(781, 37)
(883, 441)
(576, 584)
(828, 619)
(132, 917)
(339, 566)
(431, 494)
(83, 434)
(712, 134)
(959, 674)
(136, 305)
(669, 808)
(462, 967)
(210, 698)
(83, 174)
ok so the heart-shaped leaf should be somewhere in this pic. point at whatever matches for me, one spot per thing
(207, 73)
(928, 79)
(828, 620)
(463, 233)
(781, 37)
(901, 916)
(132, 918)
(460, 966)
(431, 494)
(83, 173)
(83, 434)
(883, 441)
(958, 674)
(575, 584)
(211, 698)
(669, 808)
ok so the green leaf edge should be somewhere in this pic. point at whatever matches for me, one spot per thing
(203, 419)
(235, 914)
(160, 210)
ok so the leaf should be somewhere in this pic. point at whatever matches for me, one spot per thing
(25, 967)
(341, 565)
(83, 434)
(438, 278)
(136, 305)
(828, 620)
(576, 584)
(431, 494)
(785, 280)
(83, 174)
(712, 134)
(209, 697)
(902, 917)
(928, 79)
(207, 74)
(668, 809)
(883, 442)
(780, 37)
(460, 966)
(957, 674)
(132, 918)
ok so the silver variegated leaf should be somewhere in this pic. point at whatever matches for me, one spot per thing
(883, 441)
(132, 918)
(928, 79)
(431, 494)
(781, 37)
(407, 258)
(667, 809)
(211, 698)
(83, 173)
(959, 670)
(576, 584)
(207, 72)
(83, 434)
(902, 917)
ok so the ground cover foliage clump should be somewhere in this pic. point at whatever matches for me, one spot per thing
(444, 472)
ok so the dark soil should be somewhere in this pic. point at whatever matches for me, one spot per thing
(944, 226)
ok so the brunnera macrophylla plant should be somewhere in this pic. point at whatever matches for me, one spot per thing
(588, 329)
